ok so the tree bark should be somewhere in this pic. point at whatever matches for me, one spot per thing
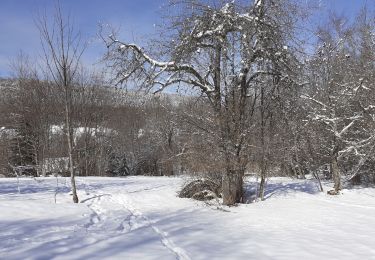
(336, 175)
(263, 161)
(316, 175)
(262, 185)
(69, 136)
(232, 185)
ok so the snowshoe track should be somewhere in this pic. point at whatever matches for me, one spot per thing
(100, 220)
(140, 220)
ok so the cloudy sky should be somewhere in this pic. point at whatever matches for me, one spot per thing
(136, 19)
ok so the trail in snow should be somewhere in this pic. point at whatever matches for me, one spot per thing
(102, 219)
(140, 219)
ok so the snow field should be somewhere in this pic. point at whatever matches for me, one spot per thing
(141, 218)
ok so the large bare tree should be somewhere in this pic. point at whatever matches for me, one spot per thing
(226, 52)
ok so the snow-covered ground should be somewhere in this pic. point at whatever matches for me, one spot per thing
(141, 218)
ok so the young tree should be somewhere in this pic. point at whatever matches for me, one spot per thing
(226, 53)
(63, 49)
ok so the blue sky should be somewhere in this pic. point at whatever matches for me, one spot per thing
(136, 19)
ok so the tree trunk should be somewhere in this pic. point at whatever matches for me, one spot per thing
(263, 161)
(87, 163)
(336, 175)
(316, 175)
(168, 168)
(232, 187)
(262, 185)
(69, 136)
(37, 163)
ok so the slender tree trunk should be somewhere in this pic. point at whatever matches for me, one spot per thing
(101, 160)
(262, 185)
(86, 156)
(316, 175)
(69, 136)
(299, 171)
(169, 162)
(36, 155)
(263, 166)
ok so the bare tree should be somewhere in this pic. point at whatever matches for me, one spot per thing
(63, 48)
(340, 109)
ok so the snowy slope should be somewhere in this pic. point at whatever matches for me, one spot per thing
(141, 218)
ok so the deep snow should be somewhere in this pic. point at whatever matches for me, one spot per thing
(141, 218)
